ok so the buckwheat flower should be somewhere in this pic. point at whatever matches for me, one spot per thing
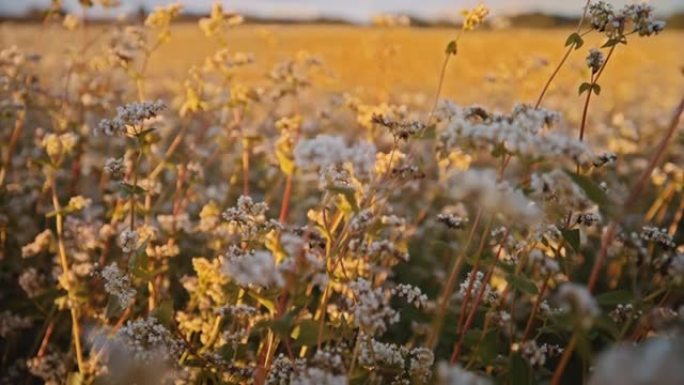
(136, 113)
(115, 168)
(32, 282)
(658, 236)
(489, 295)
(321, 151)
(11, 323)
(371, 308)
(249, 218)
(579, 301)
(547, 265)
(656, 361)
(420, 364)
(110, 127)
(40, 243)
(374, 353)
(642, 17)
(601, 15)
(448, 374)
(482, 188)
(335, 177)
(78, 203)
(386, 248)
(588, 219)
(474, 17)
(256, 269)
(621, 313)
(401, 130)
(51, 367)
(452, 221)
(537, 355)
(128, 241)
(118, 285)
(412, 294)
(595, 60)
(146, 341)
(604, 159)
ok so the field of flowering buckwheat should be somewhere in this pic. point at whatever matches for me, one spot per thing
(407, 210)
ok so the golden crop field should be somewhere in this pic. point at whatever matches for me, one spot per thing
(220, 202)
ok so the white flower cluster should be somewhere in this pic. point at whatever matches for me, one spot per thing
(257, 269)
(658, 236)
(375, 353)
(118, 284)
(482, 188)
(621, 313)
(412, 294)
(547, 265)
(452, 221)
(10, 323)
(128, 241)
(521, 132)
(249, 218)
(456, 375)
(146, 340)
(640, 17)
(40, 243)
(132, 114)
(285, 372)
(400, 129)
(657, 361)
(578, 300)
(327, 150)
(595, 60)
(489, 295)
(114, 167)
(371, 308)
(537, 354)
(588, 219)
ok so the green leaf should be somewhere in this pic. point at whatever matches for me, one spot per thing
(615, 297)
(596, 88)
(522, 284)
(269, 304)
(584, 87)
(574, 40)
(306, 333)
(451, 48)
(520, 371)
(572, 237)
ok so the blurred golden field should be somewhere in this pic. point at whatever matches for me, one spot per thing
(401, 64)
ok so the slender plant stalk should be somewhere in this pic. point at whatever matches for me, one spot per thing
(449, 287)
(64, 263)
(564, 59)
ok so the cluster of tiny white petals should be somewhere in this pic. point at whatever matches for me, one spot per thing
(132, 114)
(249, 218)
(489, 295)
(537, 354)
(128, 240)
(493, 196)
(255, 269)
(658, 236)
(522, 132)
(40, 243)
(371, 308)
(146, 340)
(455, 374)
(595, 60)
(578, 300)
(412, 294)
(118, 284)
(326, 150)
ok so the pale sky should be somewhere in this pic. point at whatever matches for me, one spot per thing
(355, 10)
